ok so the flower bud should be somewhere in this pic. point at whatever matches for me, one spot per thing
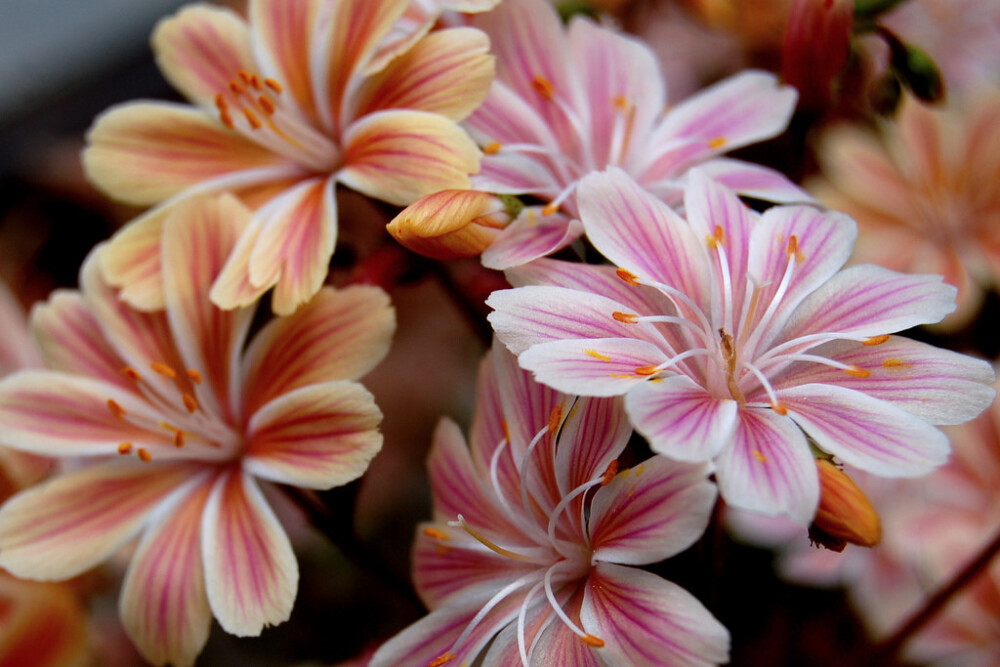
(844, 513)
(451, 224)
(817, 41)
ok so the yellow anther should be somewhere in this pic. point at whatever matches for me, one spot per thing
(436, 534)
(492, 148)
(760, 457)
(591, 640)
(125, 448)
(116, 410)
(627, 318)
(144, 455)
(252, 119)
(442, 659)
(555, 418)
(273, 85)
(609, 473)
(717, 142)
(647, 370)
(597, 355)
(856, 372)
(131, 373)
(190, 402)
(627, 276)
(194, 375)
(875, 340)
(543, 86)
(163, 369)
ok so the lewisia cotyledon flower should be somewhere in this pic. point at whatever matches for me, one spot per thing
(570, 101)
(180, 421)
(290, 102)
(736, 335)
(534, 533)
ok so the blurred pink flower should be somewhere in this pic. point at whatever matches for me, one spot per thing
(535, 564)
(182, 421)
(296, 99)
(925, 193)
(567, 102)
(734, 336)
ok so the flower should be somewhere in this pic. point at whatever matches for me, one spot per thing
(288, 103)
(924, 193)
(567, 102)
(451, 224)
(182, 421)
(534, 532)
(732, 333)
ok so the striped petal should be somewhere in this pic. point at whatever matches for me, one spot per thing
(145, 152)
(250, 570)
(163, 605)
(399, 156)
(865, 432)
(650, 512)
(755, 181)
(338, 335)
(647, 620)
(680, 419)
(131, 261)
(530, 236)
(68, 525)
(599, 431)
(599, 367)
(315, 437)
(768, 468)
(448, 72)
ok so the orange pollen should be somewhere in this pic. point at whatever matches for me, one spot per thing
(610, 473)
(717, 142)
(717, 238)
(875, 340)
(442, 659)
(436, 534)
(273, 85)
(793, 249)
(236, 87)
(856, 372)
(131, 373)
(543, 86)
(492, 148)
(194, 376)
(647, 370)
(245, 75)
(163, 369)
(591, 640)
(627, 318)
(220, 102)
(125, 448)
(255, 82)
(779, 408)
(627, 276)
(227, 120)
(266, 104)
(252, 119)
(117, 410)
(190, 403)
(555, 418)
(550, 208)
(620, 103)
(178, 438)
(893, 363)
(144, 455)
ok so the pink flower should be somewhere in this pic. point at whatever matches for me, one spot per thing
(296, 99)
(182, 422)
(533, 534)
(567, 102)
(732, 333)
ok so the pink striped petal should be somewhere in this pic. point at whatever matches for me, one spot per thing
(489, 424)
(525, 405)
(339, 335)
(865, 432)
(145, 152)
(598, 429)
(197, 239)
(511, 172)
(163, 605)
(593, 367)
(131, 261)
(200, 49)
(756, 181)
(72, 341)
(868, 300)
(315, 437)
(641, 234)
(530, 236)
(505, 117)
(650, 512)
(646, 620)
(399, 156)
(68, 525)
(233, 287)
(768, 468)
(936, 385)
(680, 419)
(250, 570)
(447, 72)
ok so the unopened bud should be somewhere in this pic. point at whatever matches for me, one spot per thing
(451, 224)
(817, 41)
(844, 515)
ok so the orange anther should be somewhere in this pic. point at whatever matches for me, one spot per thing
(220, 102)
(116, 410)
(793, 249)
(779, 408)
(267, 105)
(620, 103)
(131, 373)
(543, 86)
(717, 142)
(894, 363)
(236, 87)
(492, 148)
(591, 640)
(178, 438)
(555, 418)
(436, 534)
(856, 372)
(125, 448)
(760, 457)
(875, 340)
(627, 276)
(245, 75)
(163, 369)
(144, 455)
(646, 370)
(190, 403)
(506, 429)
(227, 120)
(609, 473)
(252, 119)
(194, 375)
(442, 659)
(550, 208)
(255, 81)
(627, 318)
(273, 85)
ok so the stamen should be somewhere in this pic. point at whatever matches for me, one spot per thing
(252, 119)
(163, 369)
(647, 370)
(555, 419)
(875, 340)
(131, 374)
(486, 542)
(273, 85)
(856, 372)
(178, 438)
(550, 208)
(227, 120)
(492, 148)
(610, 473)
(779, 408)
(236, 87)
(125, 448)
(717, 238)
(717, 142)
(543, 86)
(220, 102)
(893, 362)
(144, 455)
(436, 534)
(442, 659)
(194, 376)
(627, 318)
(557, 608)
(793, 249)
(255, 82)
(591, 640)
(243, 74)
(266, 104)
(116, 410)
(759, 456)
(627, 276)
(190, 403)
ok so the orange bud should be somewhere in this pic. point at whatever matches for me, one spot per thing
(844, 514)
(451, 224)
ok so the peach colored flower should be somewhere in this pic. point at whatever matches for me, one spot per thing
(299, 97)
(181, 420)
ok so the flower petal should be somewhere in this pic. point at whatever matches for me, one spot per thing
(865, 432)
(145, 152)
(163, 605)
(250, 570)
(315, 437)
(769, 468)
(447, 72)
(647, 620)
(200, 49)
(131, 261)
(598, 430)
(339, 335)
(680, 419)
(530, 236)
(66, 526)
(754, 180)
(593, 367)
(650, 512)
(399, 156)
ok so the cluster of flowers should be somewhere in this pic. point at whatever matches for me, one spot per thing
(736, 343)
